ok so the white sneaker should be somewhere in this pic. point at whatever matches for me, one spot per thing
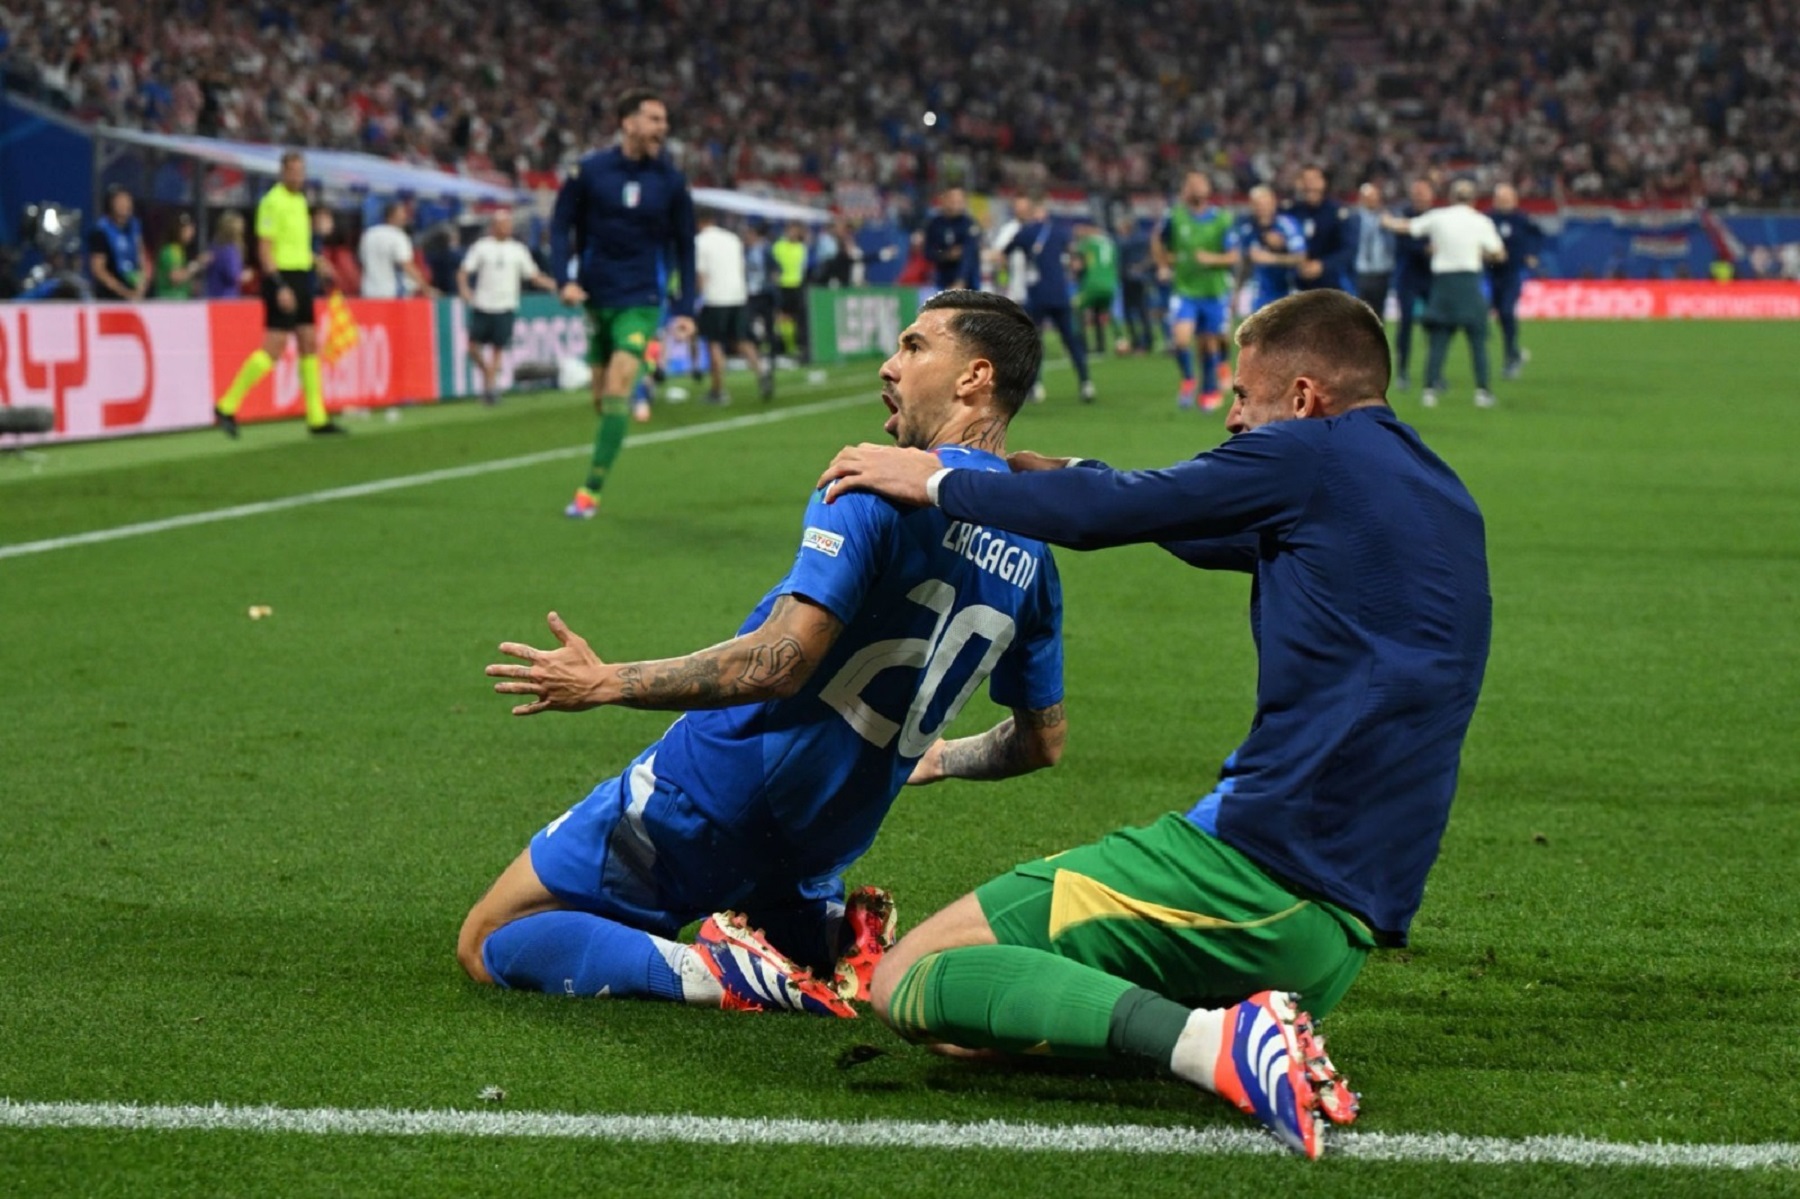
(1039, 394)
(1087, 392)
(1428, 398)
(1484, 398)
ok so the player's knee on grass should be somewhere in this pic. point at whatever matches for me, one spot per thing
(962, 923)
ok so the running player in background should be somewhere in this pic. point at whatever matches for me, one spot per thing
(1097, 269)
(623, 211)
(284, 250)
(1045, 245)
(1192, 255)
(1271, 244)
(799, 732)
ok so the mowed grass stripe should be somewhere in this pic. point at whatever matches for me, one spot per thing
(420, 479)
(892, 1134)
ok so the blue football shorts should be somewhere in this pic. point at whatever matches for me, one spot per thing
(1208, 315)
(640, 851)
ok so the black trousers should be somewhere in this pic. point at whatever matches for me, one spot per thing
(1372, 289)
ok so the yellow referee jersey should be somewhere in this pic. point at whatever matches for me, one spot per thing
(282, 217)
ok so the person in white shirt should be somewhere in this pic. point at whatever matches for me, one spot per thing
(1463, 243)
(725, 313)
(386, 255)
(499, 266)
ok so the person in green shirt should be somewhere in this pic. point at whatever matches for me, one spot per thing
(1097, 264)
(176, 272)
(1191, 253)
(284, 250)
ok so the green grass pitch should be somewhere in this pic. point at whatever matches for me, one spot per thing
(234, 854)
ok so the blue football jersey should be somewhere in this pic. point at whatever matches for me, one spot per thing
(1272, 282)
(931, 608)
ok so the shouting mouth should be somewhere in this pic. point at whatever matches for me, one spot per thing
(892, 427)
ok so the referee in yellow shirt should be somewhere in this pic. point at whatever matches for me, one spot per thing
(284, 250)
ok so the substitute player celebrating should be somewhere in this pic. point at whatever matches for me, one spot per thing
(799, 731)
(1190, 252)
(1184, 942)
(284, 250)
(622, 221)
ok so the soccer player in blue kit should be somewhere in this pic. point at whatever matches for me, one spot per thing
(1045, 245)
(1189, 942)
(1272, 244)
(798, 733)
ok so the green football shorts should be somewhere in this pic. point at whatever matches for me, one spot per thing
(1181, 913)
(611, 330)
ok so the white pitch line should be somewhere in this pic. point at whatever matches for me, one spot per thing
(399, 482)
(893, 1134)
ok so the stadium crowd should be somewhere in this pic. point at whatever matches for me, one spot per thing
(1623, 99)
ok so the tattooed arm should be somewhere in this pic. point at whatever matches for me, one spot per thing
(770, 662)
(1028, 740)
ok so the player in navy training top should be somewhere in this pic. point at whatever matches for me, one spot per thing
(1045, 245)
(800, 731)
(1371, 615)
(623, 221)
(1329, 253)
(1522, 239)
(953, 243)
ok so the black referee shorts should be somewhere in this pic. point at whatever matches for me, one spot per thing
(302, 284)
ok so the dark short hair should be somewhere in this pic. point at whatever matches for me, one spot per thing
(1328, 334)
(288, 156)
(633, 99)
(993, 327)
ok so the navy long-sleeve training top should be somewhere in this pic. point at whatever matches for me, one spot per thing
(1371, 616)
(631, 222)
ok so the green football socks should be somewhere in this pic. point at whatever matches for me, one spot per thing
(1017, 1000)
(615, 419)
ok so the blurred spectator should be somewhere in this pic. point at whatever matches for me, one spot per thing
(724, 324)
(1623, 98)
(226, 273)
(499, 267)
(386, 256)
(918, 268)
(117, 259)
(178, 268)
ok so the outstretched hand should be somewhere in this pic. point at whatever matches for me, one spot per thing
(899, 475)
(564, 679)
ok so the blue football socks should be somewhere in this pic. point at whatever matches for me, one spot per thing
(578, 953)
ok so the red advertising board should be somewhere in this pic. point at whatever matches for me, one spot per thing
(107, 370)
(1651, 299)
(393, 359)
